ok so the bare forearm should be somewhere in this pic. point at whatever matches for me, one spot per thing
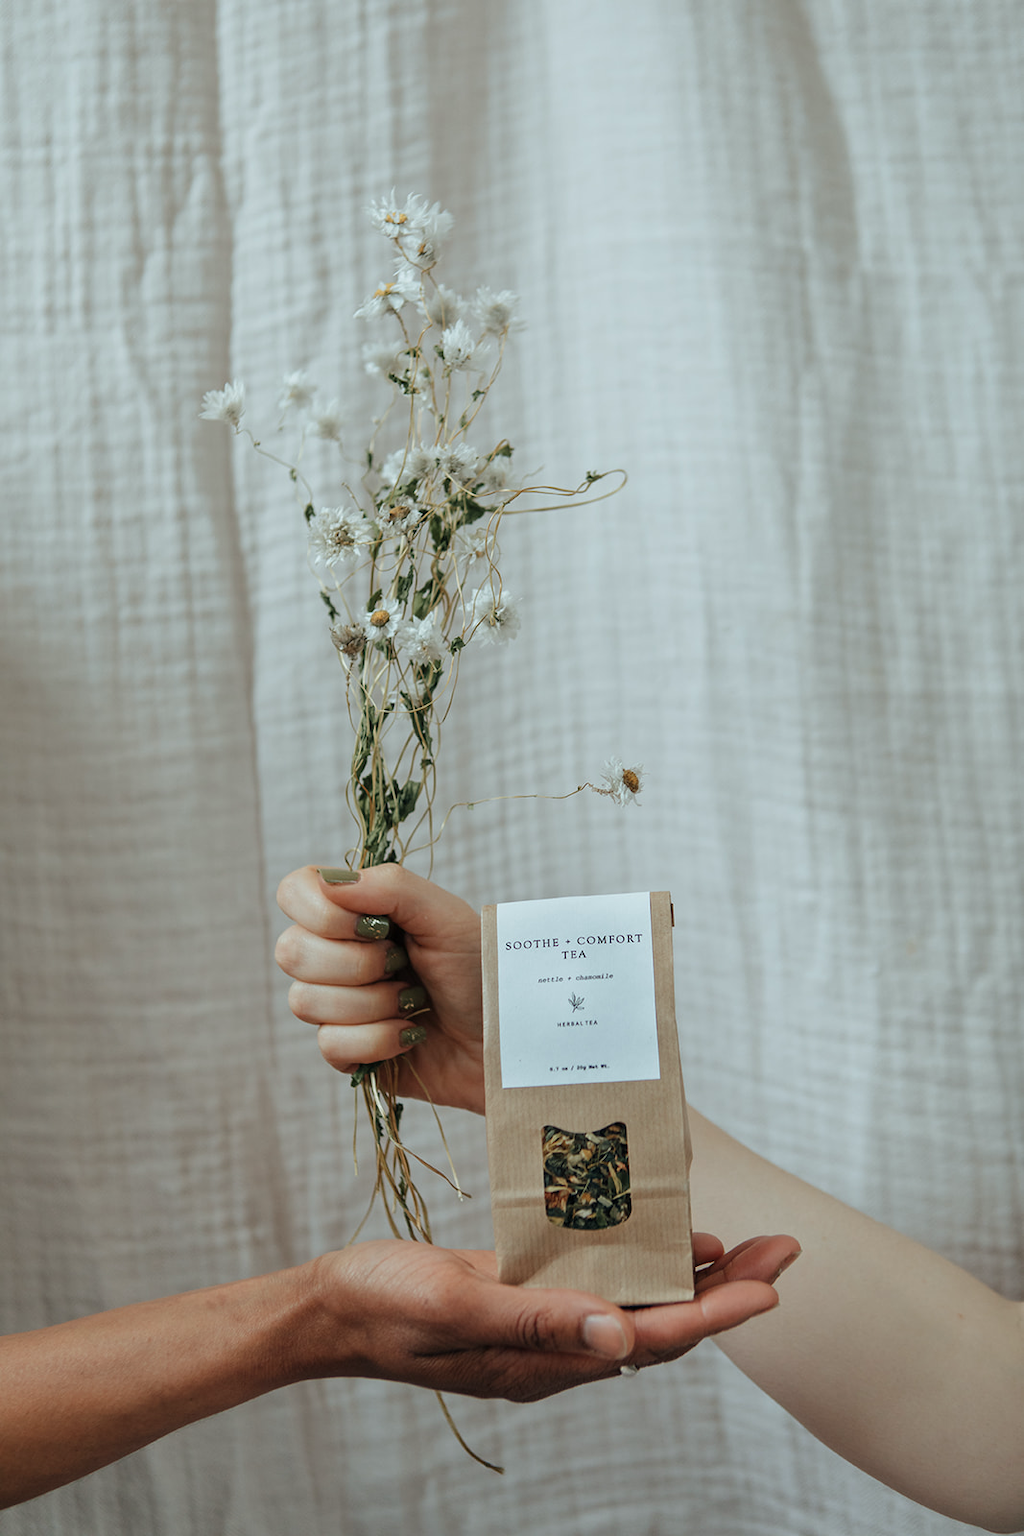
(82, 1394)
(903, 1363)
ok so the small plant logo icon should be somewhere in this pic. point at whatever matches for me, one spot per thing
(576, 1002)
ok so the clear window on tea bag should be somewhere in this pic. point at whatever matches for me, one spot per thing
(586, 1177)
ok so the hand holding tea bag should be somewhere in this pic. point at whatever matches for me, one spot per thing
(898, 1360)
(81, 1394)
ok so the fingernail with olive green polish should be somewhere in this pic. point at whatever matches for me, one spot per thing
(411, 998)
(397, 960)
(413, 1035)
(371, 927)
(338, 876)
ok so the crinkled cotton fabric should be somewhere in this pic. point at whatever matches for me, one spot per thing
(770, 261)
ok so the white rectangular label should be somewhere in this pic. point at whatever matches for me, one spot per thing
(576, 991)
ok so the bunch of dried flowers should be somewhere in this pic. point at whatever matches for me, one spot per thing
(406, 558)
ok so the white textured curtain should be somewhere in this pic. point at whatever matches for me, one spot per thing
(771, 260)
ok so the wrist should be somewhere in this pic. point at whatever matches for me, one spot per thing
(301, 1339)
(320, 1331)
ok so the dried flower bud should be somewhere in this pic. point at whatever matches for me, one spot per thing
(349, 640)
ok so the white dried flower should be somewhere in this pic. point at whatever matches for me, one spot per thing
(336, 535)
(493, 477)
(399, 515)
(421, 463)
(422, 251)
(443, 306)
(473, 549)
(494, 618)
(622, 784)
(384, 359)
(415, 216)
(456, 461)
(382, 622)
(495, 311)
(420, 641)
(389, 298)
(296, 392)
(457, 346)
(327, 422)
(407, 464)
(349, 641)
(416, 226)
(227, 404)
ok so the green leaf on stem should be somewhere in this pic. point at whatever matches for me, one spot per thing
(424, 600)
(405, 802)
(440, 534)
(419, 712)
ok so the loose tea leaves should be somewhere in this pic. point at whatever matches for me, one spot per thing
(586, 1177)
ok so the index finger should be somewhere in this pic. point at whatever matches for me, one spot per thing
(314, 896)
(303, 897)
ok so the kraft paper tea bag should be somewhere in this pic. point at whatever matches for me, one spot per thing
(587, 1136)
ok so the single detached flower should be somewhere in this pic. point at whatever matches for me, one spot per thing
(494, 617)
(296, 392)
(227, 404)
(621, 784)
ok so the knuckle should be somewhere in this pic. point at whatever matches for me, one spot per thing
(332, 1053)
(389, 879)
(368, 963)
(285, 888)
(535, 1330)
(290, 949)
(301, 1001)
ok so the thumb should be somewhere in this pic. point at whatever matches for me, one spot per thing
(549, 1322)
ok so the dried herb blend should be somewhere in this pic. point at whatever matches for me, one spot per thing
(586, 1177)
